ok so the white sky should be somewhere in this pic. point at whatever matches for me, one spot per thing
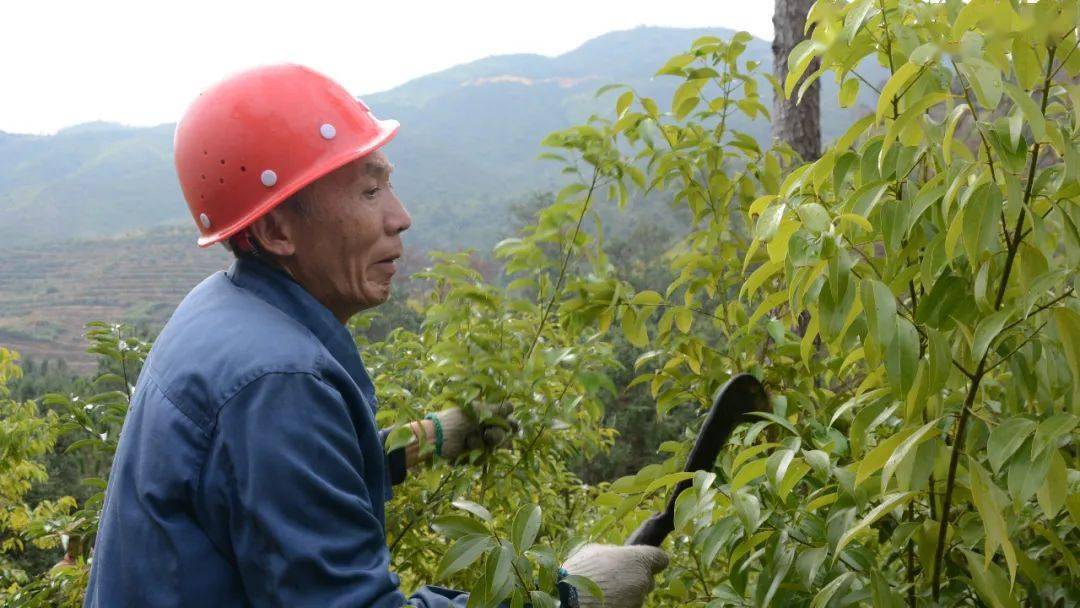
(140, 62)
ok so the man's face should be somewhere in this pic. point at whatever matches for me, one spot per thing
(348, 236)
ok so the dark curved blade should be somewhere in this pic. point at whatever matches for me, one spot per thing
(739, 396)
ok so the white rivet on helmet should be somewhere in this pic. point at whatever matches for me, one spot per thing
(269, 178)
(327, 130)
(204, 220)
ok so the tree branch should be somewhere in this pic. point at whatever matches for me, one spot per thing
(980, 370)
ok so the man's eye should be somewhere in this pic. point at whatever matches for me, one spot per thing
(371, 193)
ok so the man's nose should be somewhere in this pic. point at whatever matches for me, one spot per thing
(399, 219)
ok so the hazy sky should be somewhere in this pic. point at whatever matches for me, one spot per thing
(141, 62)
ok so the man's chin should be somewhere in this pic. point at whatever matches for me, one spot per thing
(376, 295)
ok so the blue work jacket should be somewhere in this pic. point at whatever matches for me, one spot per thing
(250, 471)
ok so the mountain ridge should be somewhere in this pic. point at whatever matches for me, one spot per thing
(466, 151)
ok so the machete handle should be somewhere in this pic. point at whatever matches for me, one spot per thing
(739, 396)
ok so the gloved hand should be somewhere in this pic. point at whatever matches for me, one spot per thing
(461, 432)
(624, 574)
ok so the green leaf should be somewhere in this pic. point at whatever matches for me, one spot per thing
(684, 319)
(634, 328)
(456, 526)
(687, 97)
(989, 583)
(472, 507)
(939, 358)
(855, 17)
(1026, 474)
(1067, 322)
(1054, 491)
(926, 53)
(399, 438)
(777, 420)
(822, 597)
(985, 79)
(880, 307)
(525, 527)
(760, 204)
(888, 504)
(902, 356)
(848, 93)
(892, 88)
(686, 508)
(499, 563)
(798, 60)
(623, 103)
(924, 432)
(876, 458)
(647, 298)
(676, 64)
(667, 481)
(990, 512)
(759, 276)
(747, 507)
(986, 331)
(809, 562)
(814, 216)
(749, 472)
(795, 473)
(541, 599)
(1052, 429)
(1030, 111)
(952, 236)
(1005, 439)
(583, 583)
(781, 565)
(769, 221)
(463, 553)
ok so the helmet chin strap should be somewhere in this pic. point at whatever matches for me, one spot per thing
(242, 242)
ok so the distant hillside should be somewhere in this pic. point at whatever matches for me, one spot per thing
(466, 149)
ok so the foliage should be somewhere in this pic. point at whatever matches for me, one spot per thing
(89, 425)
(908, 299)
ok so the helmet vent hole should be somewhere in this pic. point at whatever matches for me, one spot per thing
(223, 161)
(204, 176)
(243, 168)
(204, 152)
(202, 196)
(221, 180)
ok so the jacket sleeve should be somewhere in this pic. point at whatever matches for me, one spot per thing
(285, 489)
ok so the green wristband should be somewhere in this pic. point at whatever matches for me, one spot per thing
(434, 418)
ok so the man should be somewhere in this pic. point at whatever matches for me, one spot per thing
(250, 471)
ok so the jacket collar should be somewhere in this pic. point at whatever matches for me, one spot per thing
(281, 291)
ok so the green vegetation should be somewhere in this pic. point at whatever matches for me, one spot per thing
(908, 299)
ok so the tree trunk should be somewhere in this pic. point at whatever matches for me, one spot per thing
(799, 125)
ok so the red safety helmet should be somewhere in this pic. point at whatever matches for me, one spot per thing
(254, 139)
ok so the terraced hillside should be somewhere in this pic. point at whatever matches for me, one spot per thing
(48, 292)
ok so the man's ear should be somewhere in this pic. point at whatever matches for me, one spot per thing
(275, 232)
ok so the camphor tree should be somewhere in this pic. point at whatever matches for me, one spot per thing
(921, 448)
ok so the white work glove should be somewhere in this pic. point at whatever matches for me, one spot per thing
(461, 432)
(624, 574)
